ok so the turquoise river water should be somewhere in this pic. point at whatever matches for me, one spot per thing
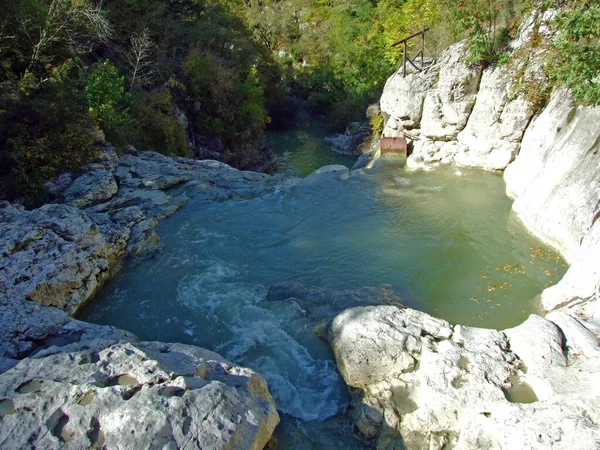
(444, 239)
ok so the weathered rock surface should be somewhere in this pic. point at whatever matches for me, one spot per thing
(353, 141)
(456, 114)
(557, 193)
(366, 160)
(60, 255)
(55, 255)
(92, 187)
(402, 100)
(449, 102)
(495, 128)
(437, 385)
(78, 385)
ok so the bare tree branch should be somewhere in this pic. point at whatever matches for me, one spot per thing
(81, 24)
(140, 59)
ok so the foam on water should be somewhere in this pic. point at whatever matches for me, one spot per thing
(305, 387)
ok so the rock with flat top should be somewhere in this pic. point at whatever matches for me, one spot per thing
(91, 188)
(106, 389)
(438, 385)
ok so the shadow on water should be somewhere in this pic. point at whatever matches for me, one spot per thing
(303, 150)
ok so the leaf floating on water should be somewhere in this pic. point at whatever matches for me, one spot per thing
(510, 268)
(484, 276)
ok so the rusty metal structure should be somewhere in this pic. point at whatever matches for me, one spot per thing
(395, 145)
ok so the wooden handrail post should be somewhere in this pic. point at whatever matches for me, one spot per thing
(422, 44)
(404, 61)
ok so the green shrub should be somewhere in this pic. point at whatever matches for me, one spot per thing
(231, 101)
(377, 125)
(45, 131)
(576, 61)
(486, 23)
(109, 101)
(156, 127)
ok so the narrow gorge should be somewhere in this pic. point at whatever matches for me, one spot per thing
(166, 302)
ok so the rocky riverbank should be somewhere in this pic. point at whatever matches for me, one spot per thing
(417, 381)
(65, 383)
(533, 386)
(62, 253)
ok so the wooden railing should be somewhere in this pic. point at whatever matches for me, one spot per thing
(406, 58)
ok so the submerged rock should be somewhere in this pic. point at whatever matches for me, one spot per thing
(351, 141)
(324, 304)
(106, 389)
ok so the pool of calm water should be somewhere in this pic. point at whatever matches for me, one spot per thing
(444, 238)
(302, 151)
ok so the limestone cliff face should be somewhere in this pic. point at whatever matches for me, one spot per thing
(556, 187)
(456, 114)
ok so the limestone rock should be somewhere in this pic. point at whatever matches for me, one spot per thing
(350, 142)
(108, 390)
(556, 189)
(403, 97)
(449, 102)
(331, 170)
(496, 126)
(366, 160)
(60, 255)
(29, 329)
(57, 187)
(54, 255)
(90, 188)
(373, 110)
(371, 344)
(438, 385)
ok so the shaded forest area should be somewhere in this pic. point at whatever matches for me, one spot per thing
(207, 77)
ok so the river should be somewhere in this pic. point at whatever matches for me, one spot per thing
(445, 239)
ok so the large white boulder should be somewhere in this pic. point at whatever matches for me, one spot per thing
(77, 385)
(437, 385)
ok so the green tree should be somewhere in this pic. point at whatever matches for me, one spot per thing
(108, 99)
(481, 20)
(576, 60)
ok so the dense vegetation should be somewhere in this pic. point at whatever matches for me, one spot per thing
(184, 76)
